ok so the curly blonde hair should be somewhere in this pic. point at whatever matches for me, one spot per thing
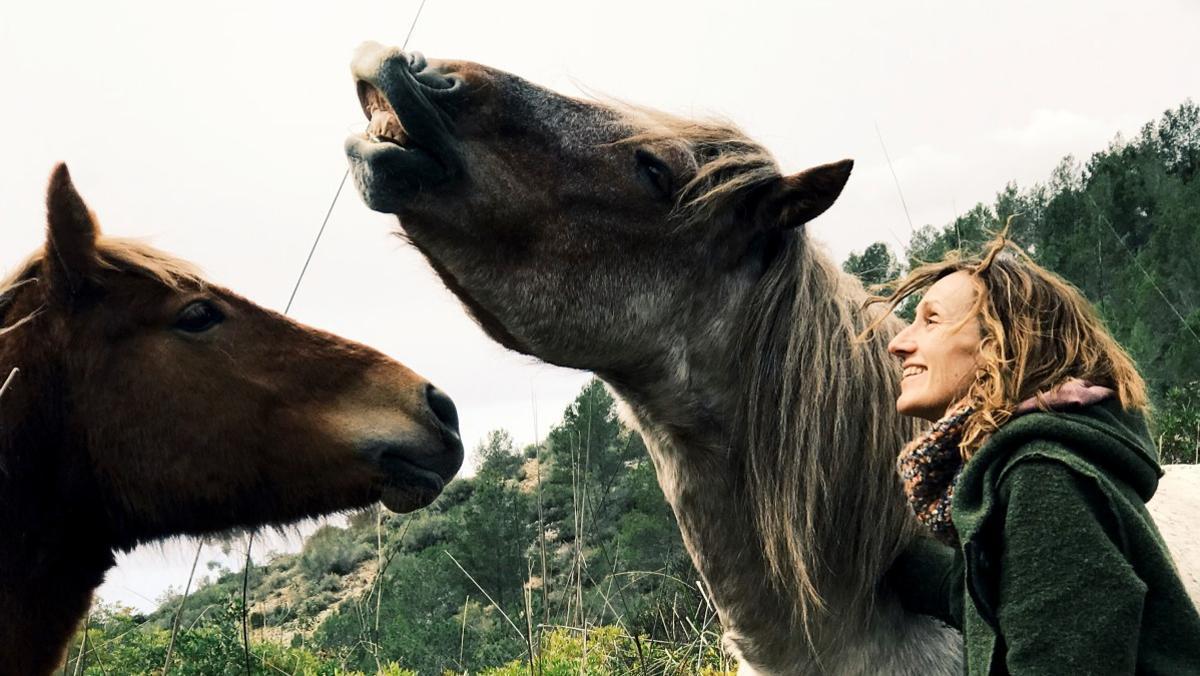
(1039, 331)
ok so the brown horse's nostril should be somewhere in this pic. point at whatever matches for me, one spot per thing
(442, 407)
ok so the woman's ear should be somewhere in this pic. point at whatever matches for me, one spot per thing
(71, 233)
(801, 197)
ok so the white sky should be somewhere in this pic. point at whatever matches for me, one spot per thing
(215, 130)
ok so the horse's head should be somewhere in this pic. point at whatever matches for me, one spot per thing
(585, 233)
(185, 408)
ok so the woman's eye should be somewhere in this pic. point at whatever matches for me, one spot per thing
(656, 172)
(198, 317)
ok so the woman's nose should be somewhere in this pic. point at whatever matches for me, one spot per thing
(901, 344)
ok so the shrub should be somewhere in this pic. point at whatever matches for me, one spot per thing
(331, 550)
(609, 650)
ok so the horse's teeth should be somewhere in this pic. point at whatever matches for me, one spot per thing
(385, 126)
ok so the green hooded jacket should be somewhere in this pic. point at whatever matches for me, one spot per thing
(1060, 569)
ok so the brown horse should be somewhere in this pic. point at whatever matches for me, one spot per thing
(670, 257)
(149, 403)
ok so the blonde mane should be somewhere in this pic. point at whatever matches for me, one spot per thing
(819, 431)
(820, 434)
(112, 253)
(138, 258)
(119, 254)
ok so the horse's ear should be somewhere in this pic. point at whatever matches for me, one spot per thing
(803, 196)
(71, 233)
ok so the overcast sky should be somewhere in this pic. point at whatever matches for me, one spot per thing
(215, 130)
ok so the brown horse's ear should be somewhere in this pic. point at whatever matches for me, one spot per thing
(803, 196)
(71, 233)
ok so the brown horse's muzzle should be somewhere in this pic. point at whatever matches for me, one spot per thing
(406, 429)
(417, 467)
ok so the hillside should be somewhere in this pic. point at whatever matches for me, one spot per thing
(460, 585)
(573, 534)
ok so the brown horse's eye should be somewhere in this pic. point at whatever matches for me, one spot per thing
(656, 172)
(198, 317)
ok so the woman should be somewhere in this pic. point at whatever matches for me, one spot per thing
(1033, 478)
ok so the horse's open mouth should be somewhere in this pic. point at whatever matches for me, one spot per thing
(388, 137)
(408, 146)
(384, 125)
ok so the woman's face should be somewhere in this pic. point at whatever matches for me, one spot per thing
(939, 351)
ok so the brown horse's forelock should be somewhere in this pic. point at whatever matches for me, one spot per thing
(139, 258)
(819, 433)
(112, 253)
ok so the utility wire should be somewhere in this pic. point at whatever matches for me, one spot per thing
(1149, 278)
(286, 310)
(313, 250)
(900, 192)
(899, 242)
(341, 185)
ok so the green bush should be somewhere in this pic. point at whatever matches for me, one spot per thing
(332, 550)
(609, 650)
(1177, 422)
(117, 644)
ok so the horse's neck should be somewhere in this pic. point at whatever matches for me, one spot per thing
(699, 481)
(52, 550)
(703, 484)
(45, 591)
(683, 414)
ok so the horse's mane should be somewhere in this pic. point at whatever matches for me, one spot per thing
(820, 434)
(819, 431)
(112, 253)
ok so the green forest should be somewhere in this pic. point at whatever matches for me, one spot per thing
(563, 557)
(1124, 227)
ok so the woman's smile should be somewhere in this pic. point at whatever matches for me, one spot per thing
(939, 351)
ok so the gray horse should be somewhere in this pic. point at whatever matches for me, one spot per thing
(670, 257)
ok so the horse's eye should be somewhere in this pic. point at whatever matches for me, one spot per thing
(198, 317)
(656, 172)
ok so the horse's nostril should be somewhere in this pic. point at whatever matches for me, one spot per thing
(442, 407)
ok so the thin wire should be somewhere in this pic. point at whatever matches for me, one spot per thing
(179, 611)
(316, 241)
(1145, 272)
(341, 185)
(245, 604)
(887, 157)
(899, 242)
(286, 310)
(8, 381)
(414, 25)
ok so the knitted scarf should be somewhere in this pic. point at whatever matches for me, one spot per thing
(930, 464)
